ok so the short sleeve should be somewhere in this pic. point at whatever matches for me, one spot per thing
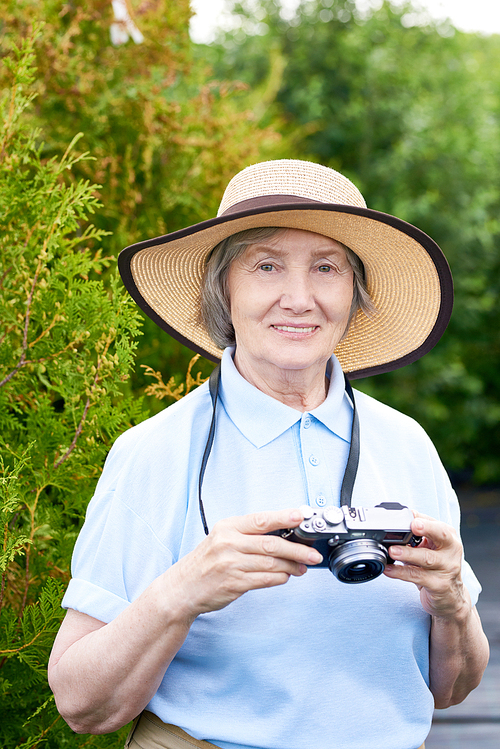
(117, 555)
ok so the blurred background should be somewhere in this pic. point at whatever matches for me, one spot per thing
(174, 98)
(405, 104)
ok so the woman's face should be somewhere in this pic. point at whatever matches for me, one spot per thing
(290, 299)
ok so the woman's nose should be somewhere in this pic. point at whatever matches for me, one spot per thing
(297, 293)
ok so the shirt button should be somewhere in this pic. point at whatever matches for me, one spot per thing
(313, 460)
(321, 500)
(307, 422)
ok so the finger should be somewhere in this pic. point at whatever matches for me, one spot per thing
(275, 546)
(438, 584)
(238, 535)
(426, 566)
(263, 563)
(440, 534)
(266, 521)
(257, 580)
(421, 577)
(428, 558)
(229, 541)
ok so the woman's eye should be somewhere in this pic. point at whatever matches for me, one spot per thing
(267, 267)
(324, 268)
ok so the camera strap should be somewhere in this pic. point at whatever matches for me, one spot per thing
(351, 468)
(352, 461)
(213, 385)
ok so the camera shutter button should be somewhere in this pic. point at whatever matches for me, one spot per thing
(307, 511)
(333, 515)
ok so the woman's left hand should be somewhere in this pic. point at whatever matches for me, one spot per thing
(434, 566)
(458, 648)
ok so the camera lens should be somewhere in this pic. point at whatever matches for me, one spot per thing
(358, 561)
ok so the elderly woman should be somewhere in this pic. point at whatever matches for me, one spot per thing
(183, 603)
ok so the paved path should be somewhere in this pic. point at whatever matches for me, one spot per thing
(475, 723)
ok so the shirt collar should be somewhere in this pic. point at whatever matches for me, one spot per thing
(261, 418)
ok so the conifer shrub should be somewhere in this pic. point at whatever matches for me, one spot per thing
(166, 136)
(67, 342)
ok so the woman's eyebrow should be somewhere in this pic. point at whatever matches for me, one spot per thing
(332, 252)
(267, 248)
(270, 250)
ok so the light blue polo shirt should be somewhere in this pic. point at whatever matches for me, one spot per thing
(315, 663)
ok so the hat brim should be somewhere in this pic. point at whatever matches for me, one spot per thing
(407, 275)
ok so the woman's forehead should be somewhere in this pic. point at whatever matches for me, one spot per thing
(288, 241)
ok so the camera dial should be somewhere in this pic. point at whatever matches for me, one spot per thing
(333, 515)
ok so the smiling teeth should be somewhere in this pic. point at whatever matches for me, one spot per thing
(289, 329)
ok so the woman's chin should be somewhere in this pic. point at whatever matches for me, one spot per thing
(287, 363)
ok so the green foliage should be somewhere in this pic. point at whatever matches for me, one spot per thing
(165, 138)
(411, 114)
(66, 348)
(164, 142)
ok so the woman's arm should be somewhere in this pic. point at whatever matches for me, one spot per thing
(459, 653)
(103, 675)
(459, 649)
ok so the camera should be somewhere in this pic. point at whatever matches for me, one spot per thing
(354, 541)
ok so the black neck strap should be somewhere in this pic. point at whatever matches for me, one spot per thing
(213, 384)
(352, 460)
(351, 468)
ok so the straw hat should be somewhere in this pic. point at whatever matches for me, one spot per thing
(407, 275)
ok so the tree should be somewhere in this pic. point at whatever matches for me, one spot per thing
(166, 138)
(411, 114)
(66, 347)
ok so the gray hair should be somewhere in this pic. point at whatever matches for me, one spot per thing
(215, 307)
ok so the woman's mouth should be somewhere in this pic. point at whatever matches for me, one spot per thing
(295, 329)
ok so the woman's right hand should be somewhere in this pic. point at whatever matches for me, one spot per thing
(103, 675)
(238, 556)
